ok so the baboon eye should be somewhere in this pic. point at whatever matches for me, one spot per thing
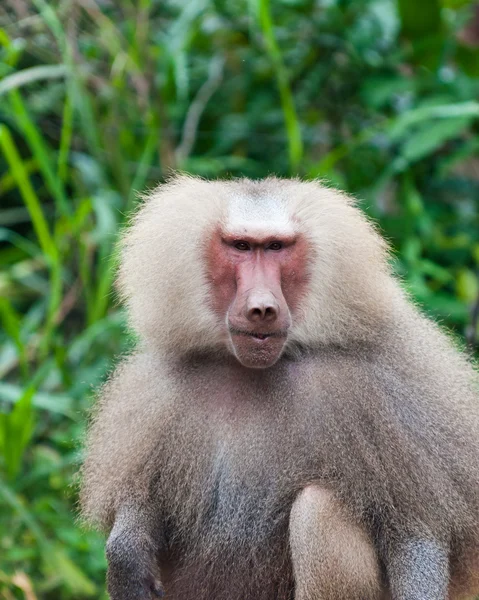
(243, 246)
(275, 246)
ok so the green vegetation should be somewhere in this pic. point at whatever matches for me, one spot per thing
(99, 100)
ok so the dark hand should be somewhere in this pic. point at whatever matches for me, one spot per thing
(125, 585)
(131, 572)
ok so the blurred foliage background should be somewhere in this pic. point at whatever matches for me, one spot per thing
(101, 98)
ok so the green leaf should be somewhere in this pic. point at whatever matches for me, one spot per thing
(55, 560)
(29, 195)
(378, 91)
(12, 324)
(467, 285)
(456, 4)
(30, 75)
(468, 59)
(16, 429)
(55, 403)
(60, 564)
(293, 130)
(430, 137)
(41, 152)
(412, 249)
(401, 126)
(419, 19)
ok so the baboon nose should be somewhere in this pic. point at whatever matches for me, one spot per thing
(262, 308)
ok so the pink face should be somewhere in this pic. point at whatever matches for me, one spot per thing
(257, 283)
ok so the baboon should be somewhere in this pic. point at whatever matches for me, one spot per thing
(290, 426)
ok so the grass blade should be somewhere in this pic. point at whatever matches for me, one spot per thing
(41, 153)
(29, 195)
(26, 76)
(40, 226)
(293, 130)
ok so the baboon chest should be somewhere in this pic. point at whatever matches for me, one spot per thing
(227, 499)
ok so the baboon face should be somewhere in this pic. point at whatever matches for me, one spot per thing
(259, 269)
(256, 278)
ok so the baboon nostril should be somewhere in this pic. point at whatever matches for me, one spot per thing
(255, 314)
(262, 313)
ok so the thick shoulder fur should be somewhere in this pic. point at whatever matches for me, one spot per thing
(123, 432)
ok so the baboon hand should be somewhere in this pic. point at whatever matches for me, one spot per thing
(133, 589)
(131, 573)
(133, 586)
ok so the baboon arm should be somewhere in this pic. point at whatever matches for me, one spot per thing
(418, 570)
(132, 552)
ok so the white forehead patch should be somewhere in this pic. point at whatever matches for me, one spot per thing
(258, 214)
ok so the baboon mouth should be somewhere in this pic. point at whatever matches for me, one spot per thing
(258, 335)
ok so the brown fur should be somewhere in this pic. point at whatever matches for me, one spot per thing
(371, 404)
